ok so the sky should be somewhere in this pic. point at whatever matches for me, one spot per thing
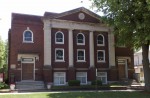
(34, 7)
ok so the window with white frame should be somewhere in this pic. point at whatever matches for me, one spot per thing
(80, 55)
(80, 39)
(100, 40)
(59, 54)
(100, 55)
(59, 78)
(102, 76)
(82, 77)
(59, 38)
(28, 36)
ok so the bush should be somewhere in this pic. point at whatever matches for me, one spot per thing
(97, 82)
(3, 85)
(74, 83)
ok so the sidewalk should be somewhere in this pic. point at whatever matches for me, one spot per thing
(7, 91)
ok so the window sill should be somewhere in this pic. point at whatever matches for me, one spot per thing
(80, 44)
(100, 45)
(101, 61)
(27, 42)
(59, 61)
(81, 61)
(59, 43)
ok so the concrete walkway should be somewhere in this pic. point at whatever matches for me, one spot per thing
(7, 91)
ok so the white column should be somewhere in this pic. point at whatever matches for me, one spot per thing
(70, 48)
(91, 47)
(47, 43)
(111, 44)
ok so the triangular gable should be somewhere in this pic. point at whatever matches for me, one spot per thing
(80, 15)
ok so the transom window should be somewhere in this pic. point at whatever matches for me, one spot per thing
(80, 55)
(100, 56)
(59, 38)
(82, 77)
(59, 78)
(100, 40)
(80, 39)
(27, 36)
(59, 55)
(102, 76)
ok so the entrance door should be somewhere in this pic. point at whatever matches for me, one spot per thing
(121, 68)
(27, 71)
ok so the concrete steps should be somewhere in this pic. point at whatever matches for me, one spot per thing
(30, 85)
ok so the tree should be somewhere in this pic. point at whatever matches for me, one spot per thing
(3, 57)
(130, 20)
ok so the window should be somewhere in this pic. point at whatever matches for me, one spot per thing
(100, 56)
(59, 54)
(59, 38)
(59, 78)
(82, 77)
(102, 76)
(80, 55)
(28, 36)
(80, 39)
(100, 40)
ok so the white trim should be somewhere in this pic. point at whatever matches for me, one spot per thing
(83, 39)
(103, 57)
(32, 62)
(62, 37)
(103, 40)
(102, 76)
(91, 48)
(24, 41)
(84, 55)
(82, 76)
(64, 75)
(56, 56)
(70, 42)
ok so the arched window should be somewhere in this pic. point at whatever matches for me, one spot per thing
(80, 39)
(28, 36)
(100, 40)
(59, 38)
(100, 56)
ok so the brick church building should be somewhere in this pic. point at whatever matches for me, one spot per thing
(58, 47)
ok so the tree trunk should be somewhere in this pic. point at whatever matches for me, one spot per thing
(146, 66)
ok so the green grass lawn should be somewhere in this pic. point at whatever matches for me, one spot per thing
(81, 95)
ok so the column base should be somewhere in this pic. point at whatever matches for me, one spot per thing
(71, 73)
(47, 73)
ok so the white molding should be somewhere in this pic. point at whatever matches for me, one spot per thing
(24, 41)
(57, 23)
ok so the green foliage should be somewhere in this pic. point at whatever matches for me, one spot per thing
(3, 85)
(3, 55)
(129, 19)
(74, 83)
(97, 82)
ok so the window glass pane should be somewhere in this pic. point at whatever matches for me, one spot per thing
(80, 55)
(59, 54)
(56, 80)
(27, 36)
(80, 38)
(103, 79)
(62, 80)
(100, 55)
(59, 37)
(100, 39)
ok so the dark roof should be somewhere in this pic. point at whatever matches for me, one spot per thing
(18, 16)
(58, 15)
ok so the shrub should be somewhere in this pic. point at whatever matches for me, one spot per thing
(74, 83)
(97, 82)
(3, 85)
